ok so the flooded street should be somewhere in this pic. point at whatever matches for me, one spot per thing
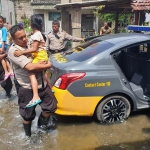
(73, 133)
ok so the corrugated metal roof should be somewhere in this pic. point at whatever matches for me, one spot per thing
(140, 4)
(45, 2)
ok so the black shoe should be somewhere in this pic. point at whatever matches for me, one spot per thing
(46, 123)
(27, 129)
(52, 122)
(8, 95)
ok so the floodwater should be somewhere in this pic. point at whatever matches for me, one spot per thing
(73, 133)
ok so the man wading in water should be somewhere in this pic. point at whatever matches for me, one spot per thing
(22, 65)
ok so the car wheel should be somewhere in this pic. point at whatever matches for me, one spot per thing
(113, 109)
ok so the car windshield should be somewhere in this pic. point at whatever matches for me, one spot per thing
(87, 50)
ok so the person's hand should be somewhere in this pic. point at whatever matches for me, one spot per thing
(49, 63)
(1, 51)
(83, 40)
(42, 62)
(18, 53)
(2, 56)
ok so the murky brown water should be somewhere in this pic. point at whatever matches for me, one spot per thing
(73, 133)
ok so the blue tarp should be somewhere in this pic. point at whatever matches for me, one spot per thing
(138, 28)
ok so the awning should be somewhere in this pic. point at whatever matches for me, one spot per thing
(138, 28)
(45, 2)
(140, 4)
(86, 4)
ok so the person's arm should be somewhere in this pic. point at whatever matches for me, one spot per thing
(110, 30)
(72, 38)
(29, 51)
(38, 67)
(47, 43)
(46, 79)
(4, 38)
(100, 31)
(25, 63)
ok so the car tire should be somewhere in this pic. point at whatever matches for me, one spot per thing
(113, 109)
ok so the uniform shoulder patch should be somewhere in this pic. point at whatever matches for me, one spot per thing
(50, 32)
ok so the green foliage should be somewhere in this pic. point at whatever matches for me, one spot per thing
(26, 22)
(107, 17)
(122, 18)
(28, 31)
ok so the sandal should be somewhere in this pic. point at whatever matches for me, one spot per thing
(11, 74)
(7, 76)
(33, 103)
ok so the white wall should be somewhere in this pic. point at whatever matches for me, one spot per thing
(48, 24)
(7, 7)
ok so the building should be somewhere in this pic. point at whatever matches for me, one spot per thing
(25, 8)
(7, 10)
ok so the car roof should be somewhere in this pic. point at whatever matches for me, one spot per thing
(124, 37)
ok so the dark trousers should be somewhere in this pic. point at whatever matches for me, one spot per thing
(48, 104)
(7, 86)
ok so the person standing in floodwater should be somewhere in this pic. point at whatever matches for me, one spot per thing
(22, 65)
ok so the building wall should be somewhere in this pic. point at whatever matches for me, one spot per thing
(23, 9)
(48, 23)
(8, 11)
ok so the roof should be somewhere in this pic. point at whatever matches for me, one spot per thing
(123, 6)
(140, 4)
(109, 5)
(86, 3)
(45, 2)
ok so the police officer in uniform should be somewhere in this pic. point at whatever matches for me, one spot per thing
(56, 38)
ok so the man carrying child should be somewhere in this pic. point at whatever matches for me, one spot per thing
(22, 66)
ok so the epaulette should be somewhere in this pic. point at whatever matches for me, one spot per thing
(49, 32)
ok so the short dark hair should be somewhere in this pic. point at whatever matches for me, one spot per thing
(56, 22)
(14, 29)
(2, 18)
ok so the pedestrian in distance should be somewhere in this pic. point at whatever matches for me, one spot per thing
(22, 65)
(56, 38)
(3, 50)
(39, 53)
(105, 29)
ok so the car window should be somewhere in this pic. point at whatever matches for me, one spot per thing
(87, 50)
(143, 47)
(140, 48)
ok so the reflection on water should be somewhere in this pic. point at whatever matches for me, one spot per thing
(72, 133)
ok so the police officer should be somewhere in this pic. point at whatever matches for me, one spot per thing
(56, 38)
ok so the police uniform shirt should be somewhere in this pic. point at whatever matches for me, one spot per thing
(18, 64)
(56, 42)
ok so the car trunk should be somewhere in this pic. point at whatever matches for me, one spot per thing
(59, 68)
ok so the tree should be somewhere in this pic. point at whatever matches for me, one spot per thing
(122, 18)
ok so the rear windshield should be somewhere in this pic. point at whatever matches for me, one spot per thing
(87, 50)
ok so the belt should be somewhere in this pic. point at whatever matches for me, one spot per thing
(57, 51)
